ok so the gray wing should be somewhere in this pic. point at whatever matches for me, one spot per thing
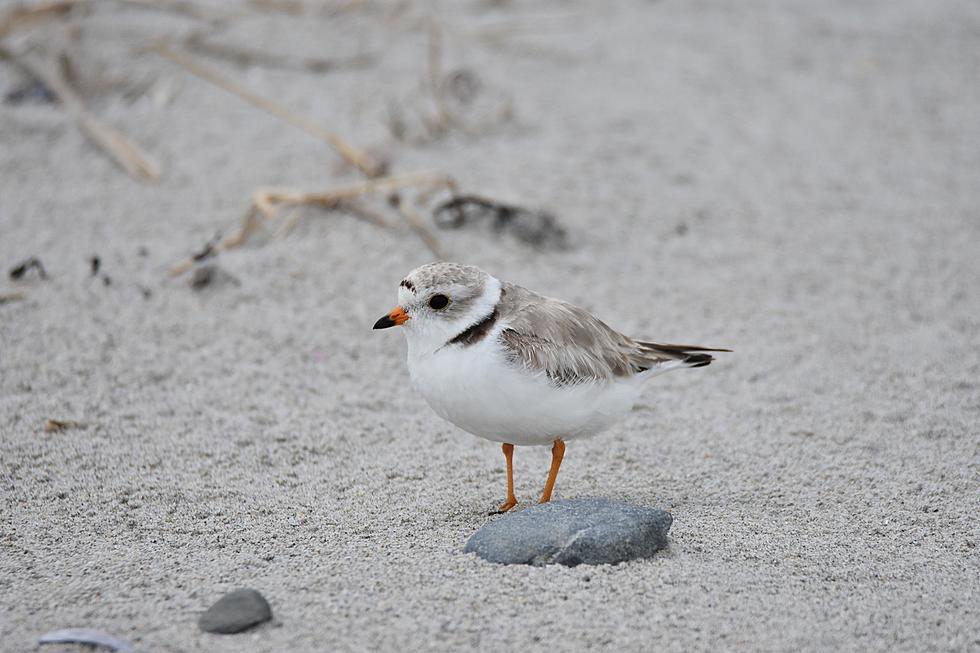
(571, 346)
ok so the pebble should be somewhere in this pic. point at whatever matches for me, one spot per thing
(235, 612)
(570, 532)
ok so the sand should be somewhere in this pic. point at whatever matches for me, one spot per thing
(797, 181)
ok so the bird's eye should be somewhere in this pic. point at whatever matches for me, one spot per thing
(438, 302)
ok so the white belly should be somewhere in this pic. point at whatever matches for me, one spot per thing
(475, 389)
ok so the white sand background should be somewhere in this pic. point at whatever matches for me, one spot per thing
(822, 160)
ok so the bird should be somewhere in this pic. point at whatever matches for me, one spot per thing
(516, 367)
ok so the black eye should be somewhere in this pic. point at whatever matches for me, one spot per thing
(438, 302)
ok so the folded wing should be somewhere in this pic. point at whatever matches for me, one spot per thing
(571, 346)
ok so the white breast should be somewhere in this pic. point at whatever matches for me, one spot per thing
(476, 389)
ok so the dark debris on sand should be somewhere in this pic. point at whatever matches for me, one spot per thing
(536, 228)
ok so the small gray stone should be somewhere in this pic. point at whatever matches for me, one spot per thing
(590, 531)
(235, 612)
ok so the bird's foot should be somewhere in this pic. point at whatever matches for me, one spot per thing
(505, 506)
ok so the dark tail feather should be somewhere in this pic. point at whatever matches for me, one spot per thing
(682, 352)
(678, 349)
(699, 360)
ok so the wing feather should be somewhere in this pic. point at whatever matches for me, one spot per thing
(571, 346)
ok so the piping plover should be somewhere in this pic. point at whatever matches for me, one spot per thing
(512, 366)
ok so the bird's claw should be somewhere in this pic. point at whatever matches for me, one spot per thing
(504, 507)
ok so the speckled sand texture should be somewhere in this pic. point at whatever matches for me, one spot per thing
(799, 181)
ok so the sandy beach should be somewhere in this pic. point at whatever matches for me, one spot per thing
(796, 181)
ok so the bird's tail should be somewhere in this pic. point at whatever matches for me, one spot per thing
(689, 355)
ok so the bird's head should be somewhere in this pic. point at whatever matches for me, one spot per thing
(438, 301)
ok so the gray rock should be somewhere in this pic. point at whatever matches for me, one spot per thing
(235, 612)
(590, 531)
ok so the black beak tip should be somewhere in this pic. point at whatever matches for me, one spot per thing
(384, 323)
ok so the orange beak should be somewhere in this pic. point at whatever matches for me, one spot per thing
(396, 317)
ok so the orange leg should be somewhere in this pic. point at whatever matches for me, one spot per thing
(511, 499)
(557, 453)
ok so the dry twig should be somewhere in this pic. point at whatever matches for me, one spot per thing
(182, 7)
(23, 16)
(357, 158)
(111, 141)
(249, 57)
(20, 17)
(267, 202)
(290, 222)
(267, 199)
(250, 224)
(56, 425)
(445, 116)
